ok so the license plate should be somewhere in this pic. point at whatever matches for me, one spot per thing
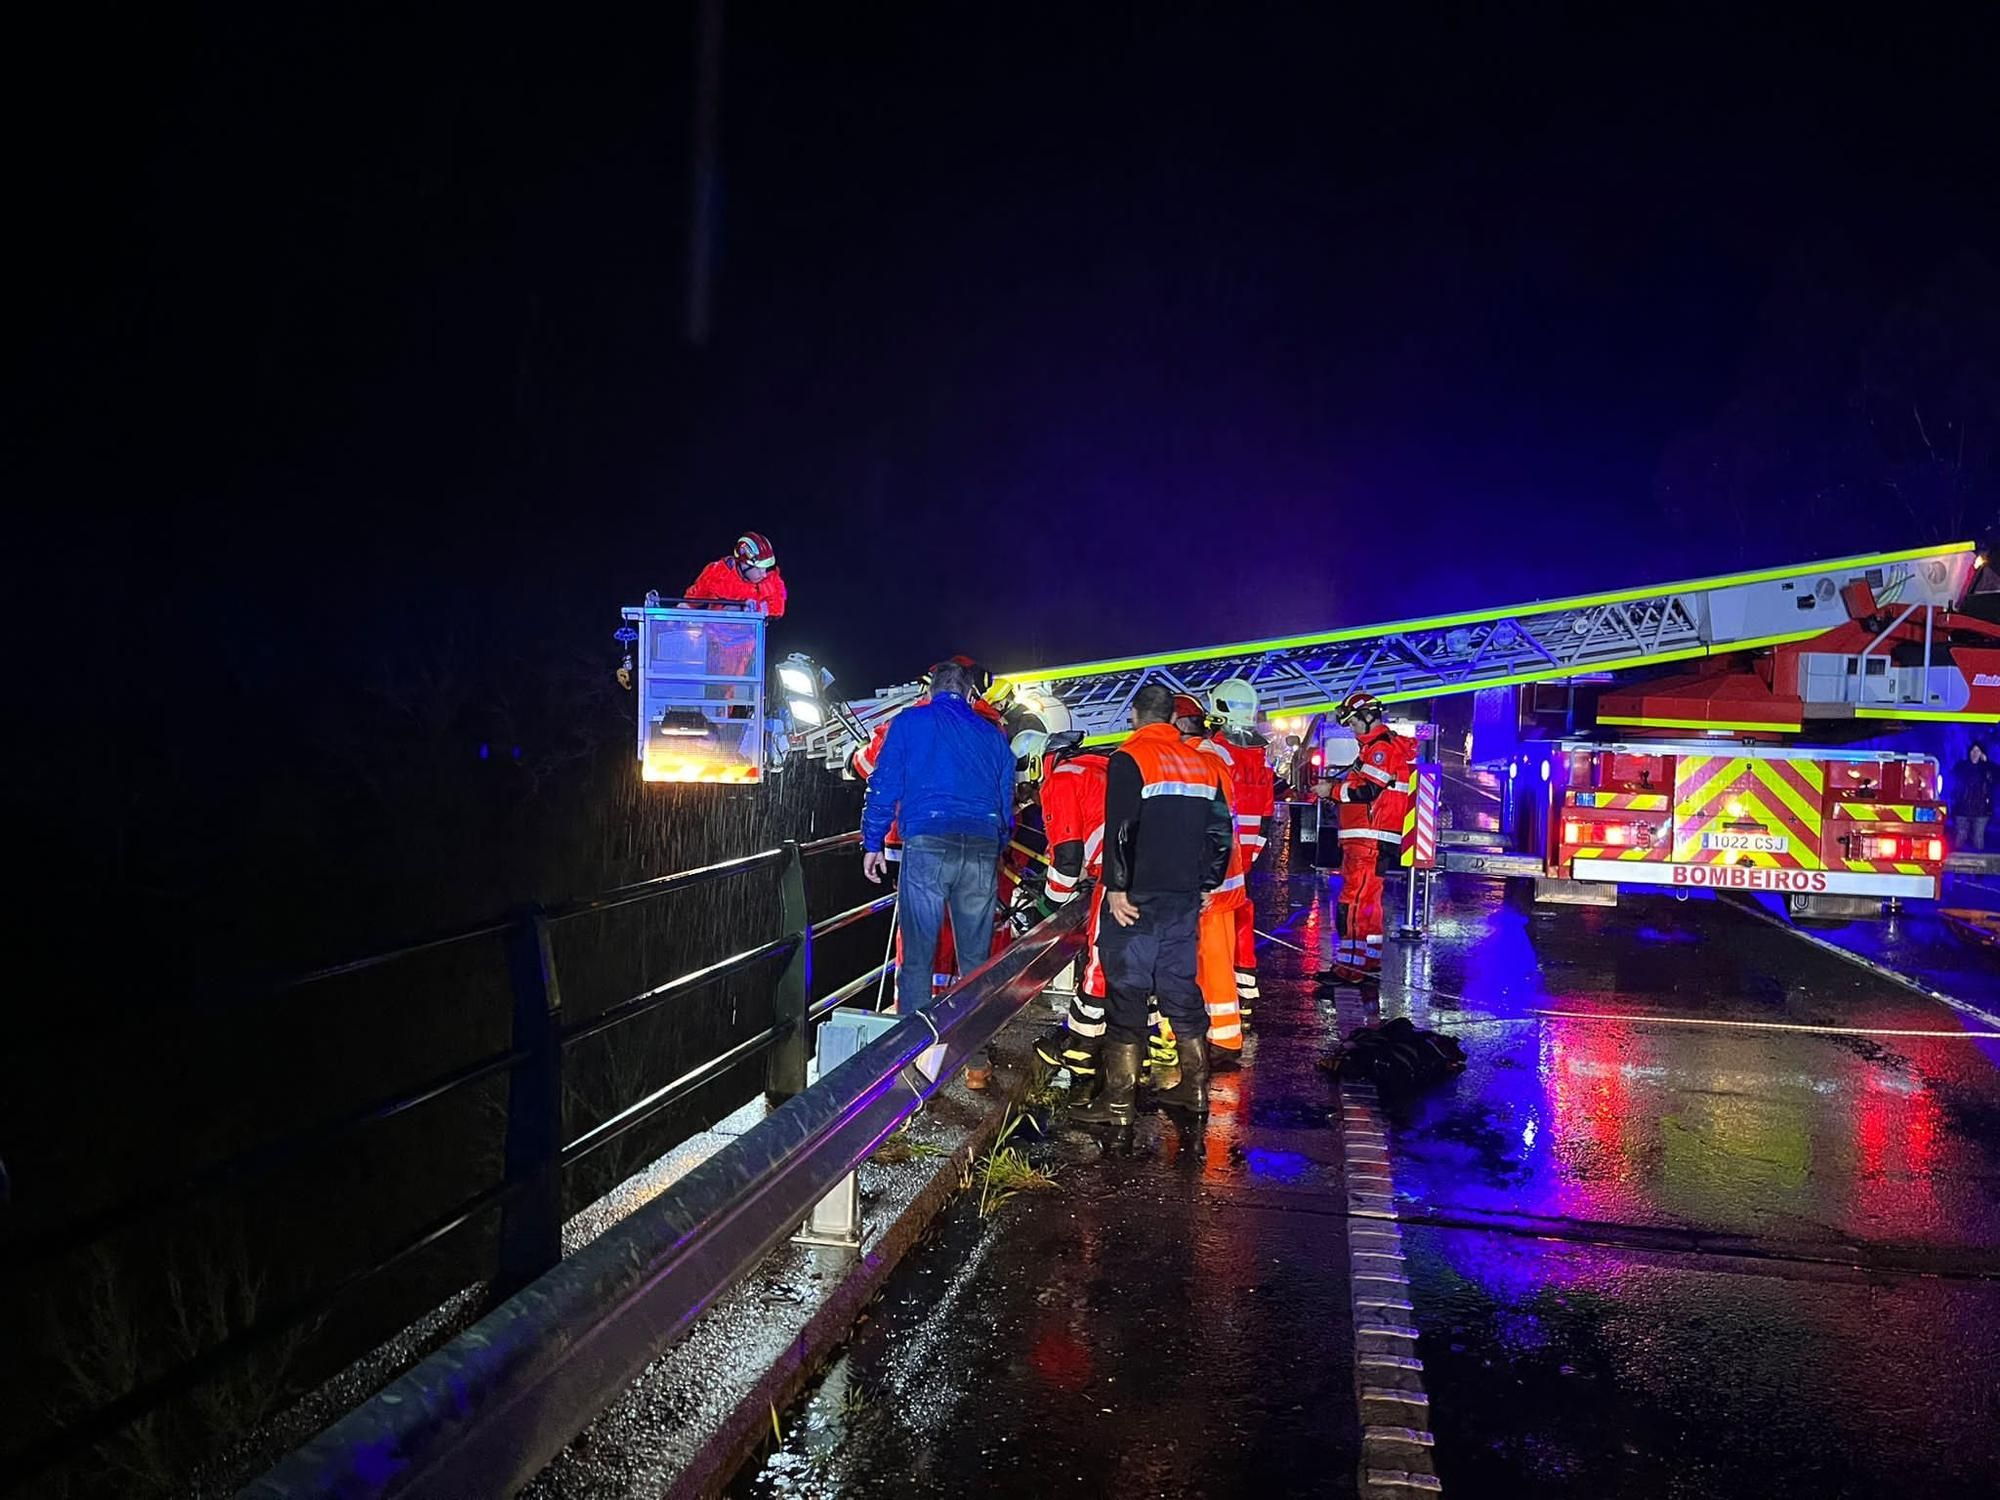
(1759, 843)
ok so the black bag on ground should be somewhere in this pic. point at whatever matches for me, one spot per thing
(1395, 1055)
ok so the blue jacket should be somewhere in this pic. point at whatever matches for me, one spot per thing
(943, 769)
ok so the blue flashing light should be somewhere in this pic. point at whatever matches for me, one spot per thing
(1545, 770)
(484, 751)
(1513, 769)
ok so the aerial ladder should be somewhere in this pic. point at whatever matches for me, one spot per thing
(1912, 596)
(1891, 636)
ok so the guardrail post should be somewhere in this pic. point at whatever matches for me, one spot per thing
(531, 1221)
(787, 1074)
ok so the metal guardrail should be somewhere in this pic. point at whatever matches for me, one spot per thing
(528, 1193)
(490, 1409)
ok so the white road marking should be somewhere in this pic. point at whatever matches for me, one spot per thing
(1963, 1007)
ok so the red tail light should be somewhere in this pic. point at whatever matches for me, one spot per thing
(1903, 848)
(1610, 835)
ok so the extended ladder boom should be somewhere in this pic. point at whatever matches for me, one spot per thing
(1459, 653)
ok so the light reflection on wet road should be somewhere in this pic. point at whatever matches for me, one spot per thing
(1712, 1212)
(1657, 1255)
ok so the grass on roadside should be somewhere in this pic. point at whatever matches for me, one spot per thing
(903, 1145)
(1005, 1170)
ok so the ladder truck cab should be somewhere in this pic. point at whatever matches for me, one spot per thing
(1800, 822)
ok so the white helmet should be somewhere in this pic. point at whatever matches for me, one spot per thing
(1029, 746)
(1235, 703)
(1041, 709)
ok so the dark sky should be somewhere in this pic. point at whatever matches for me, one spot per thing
(1039, 332)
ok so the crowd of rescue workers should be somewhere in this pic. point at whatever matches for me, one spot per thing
(1160, 829)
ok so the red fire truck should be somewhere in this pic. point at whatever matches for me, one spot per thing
(1715, 815)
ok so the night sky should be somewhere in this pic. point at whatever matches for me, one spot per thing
(1042, 333)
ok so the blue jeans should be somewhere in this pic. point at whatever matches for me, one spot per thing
(949, 873)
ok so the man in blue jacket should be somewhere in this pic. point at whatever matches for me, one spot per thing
(945, 777)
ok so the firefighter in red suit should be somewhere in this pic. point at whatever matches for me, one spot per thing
(1256, 798)
(1373, 797)
(944, 964)
(1072, 795)
(749, 575)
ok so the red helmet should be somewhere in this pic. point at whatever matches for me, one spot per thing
(753, 550)
(1186, 706)
(1359, 705)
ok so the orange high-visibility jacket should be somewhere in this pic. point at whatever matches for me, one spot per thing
(1167, 826)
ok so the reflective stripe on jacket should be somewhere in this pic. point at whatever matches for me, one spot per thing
(1167, 824)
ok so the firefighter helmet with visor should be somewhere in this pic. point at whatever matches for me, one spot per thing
(1235, 703)
(1357, 706)
(753, 550)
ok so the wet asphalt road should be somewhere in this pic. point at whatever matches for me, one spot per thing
(1711, 1213)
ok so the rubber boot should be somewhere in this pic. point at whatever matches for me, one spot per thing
(1118, 1103)
(1191, 1093)
(1162, 1065)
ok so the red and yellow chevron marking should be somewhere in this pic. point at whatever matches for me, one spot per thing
(1744, 794)
(1629, 851)
(1630, 801)
(1420, 823)
(1884, 812)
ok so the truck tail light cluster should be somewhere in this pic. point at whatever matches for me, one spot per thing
(1606, 835)
(1881, 846)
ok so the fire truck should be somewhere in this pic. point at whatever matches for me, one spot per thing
(1714, 815)
(1709, 734)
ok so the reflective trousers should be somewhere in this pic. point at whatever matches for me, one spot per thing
(1215, 972)
(1359, 916)
(1246, 952)
(1086, 1006)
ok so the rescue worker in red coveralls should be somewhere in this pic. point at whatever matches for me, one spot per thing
(749, 575)
(1235, 704)
(1215, 937)
(944, 963)
(1373, 797)
(1072, 797)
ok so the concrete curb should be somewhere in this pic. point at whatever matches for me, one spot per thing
(699, 1412)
